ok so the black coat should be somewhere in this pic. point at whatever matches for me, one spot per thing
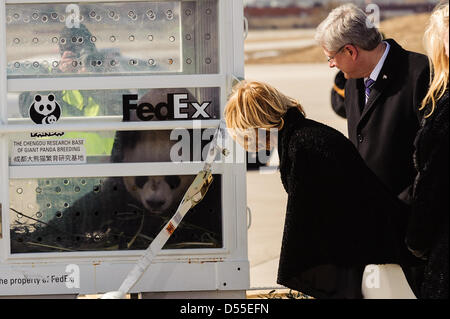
(428, 228)
(339, 215)
(384, 131)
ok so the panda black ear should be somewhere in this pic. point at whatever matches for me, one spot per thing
(51, 97)
(173, 181)
(37, 98)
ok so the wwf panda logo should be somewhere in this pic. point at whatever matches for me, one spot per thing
(44, 109)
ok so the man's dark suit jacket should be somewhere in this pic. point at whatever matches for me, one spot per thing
(384, 130)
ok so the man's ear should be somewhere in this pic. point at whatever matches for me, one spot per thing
(353, 51)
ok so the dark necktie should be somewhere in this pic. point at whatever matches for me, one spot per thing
(368, 84)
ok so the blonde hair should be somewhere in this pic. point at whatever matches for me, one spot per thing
(435, 46)
(257, 105)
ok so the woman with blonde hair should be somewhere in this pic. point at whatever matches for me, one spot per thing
(428, 228)
(339, 216)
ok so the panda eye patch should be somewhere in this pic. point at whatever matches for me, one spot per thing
(173, 181)
(140, 181)
(41, 107)
(49, 107)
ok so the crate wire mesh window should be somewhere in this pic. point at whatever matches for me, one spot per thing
(112, 38)
(93, 92)
(92, 214)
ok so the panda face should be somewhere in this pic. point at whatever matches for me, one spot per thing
(45, 109)
(44, 105)
(158, 194)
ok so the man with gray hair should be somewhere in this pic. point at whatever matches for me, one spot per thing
(384, 89)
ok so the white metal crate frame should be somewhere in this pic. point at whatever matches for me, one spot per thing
(173, 270)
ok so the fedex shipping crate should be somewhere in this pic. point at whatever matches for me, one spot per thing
(106, 111)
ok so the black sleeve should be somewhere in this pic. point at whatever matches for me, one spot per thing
(430, 200)
(421, 88)
(338, 95)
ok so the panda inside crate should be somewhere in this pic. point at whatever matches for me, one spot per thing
(128, 212)
(108, 218)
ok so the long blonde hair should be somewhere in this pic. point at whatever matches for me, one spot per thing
(255, 105)
(439, 62)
